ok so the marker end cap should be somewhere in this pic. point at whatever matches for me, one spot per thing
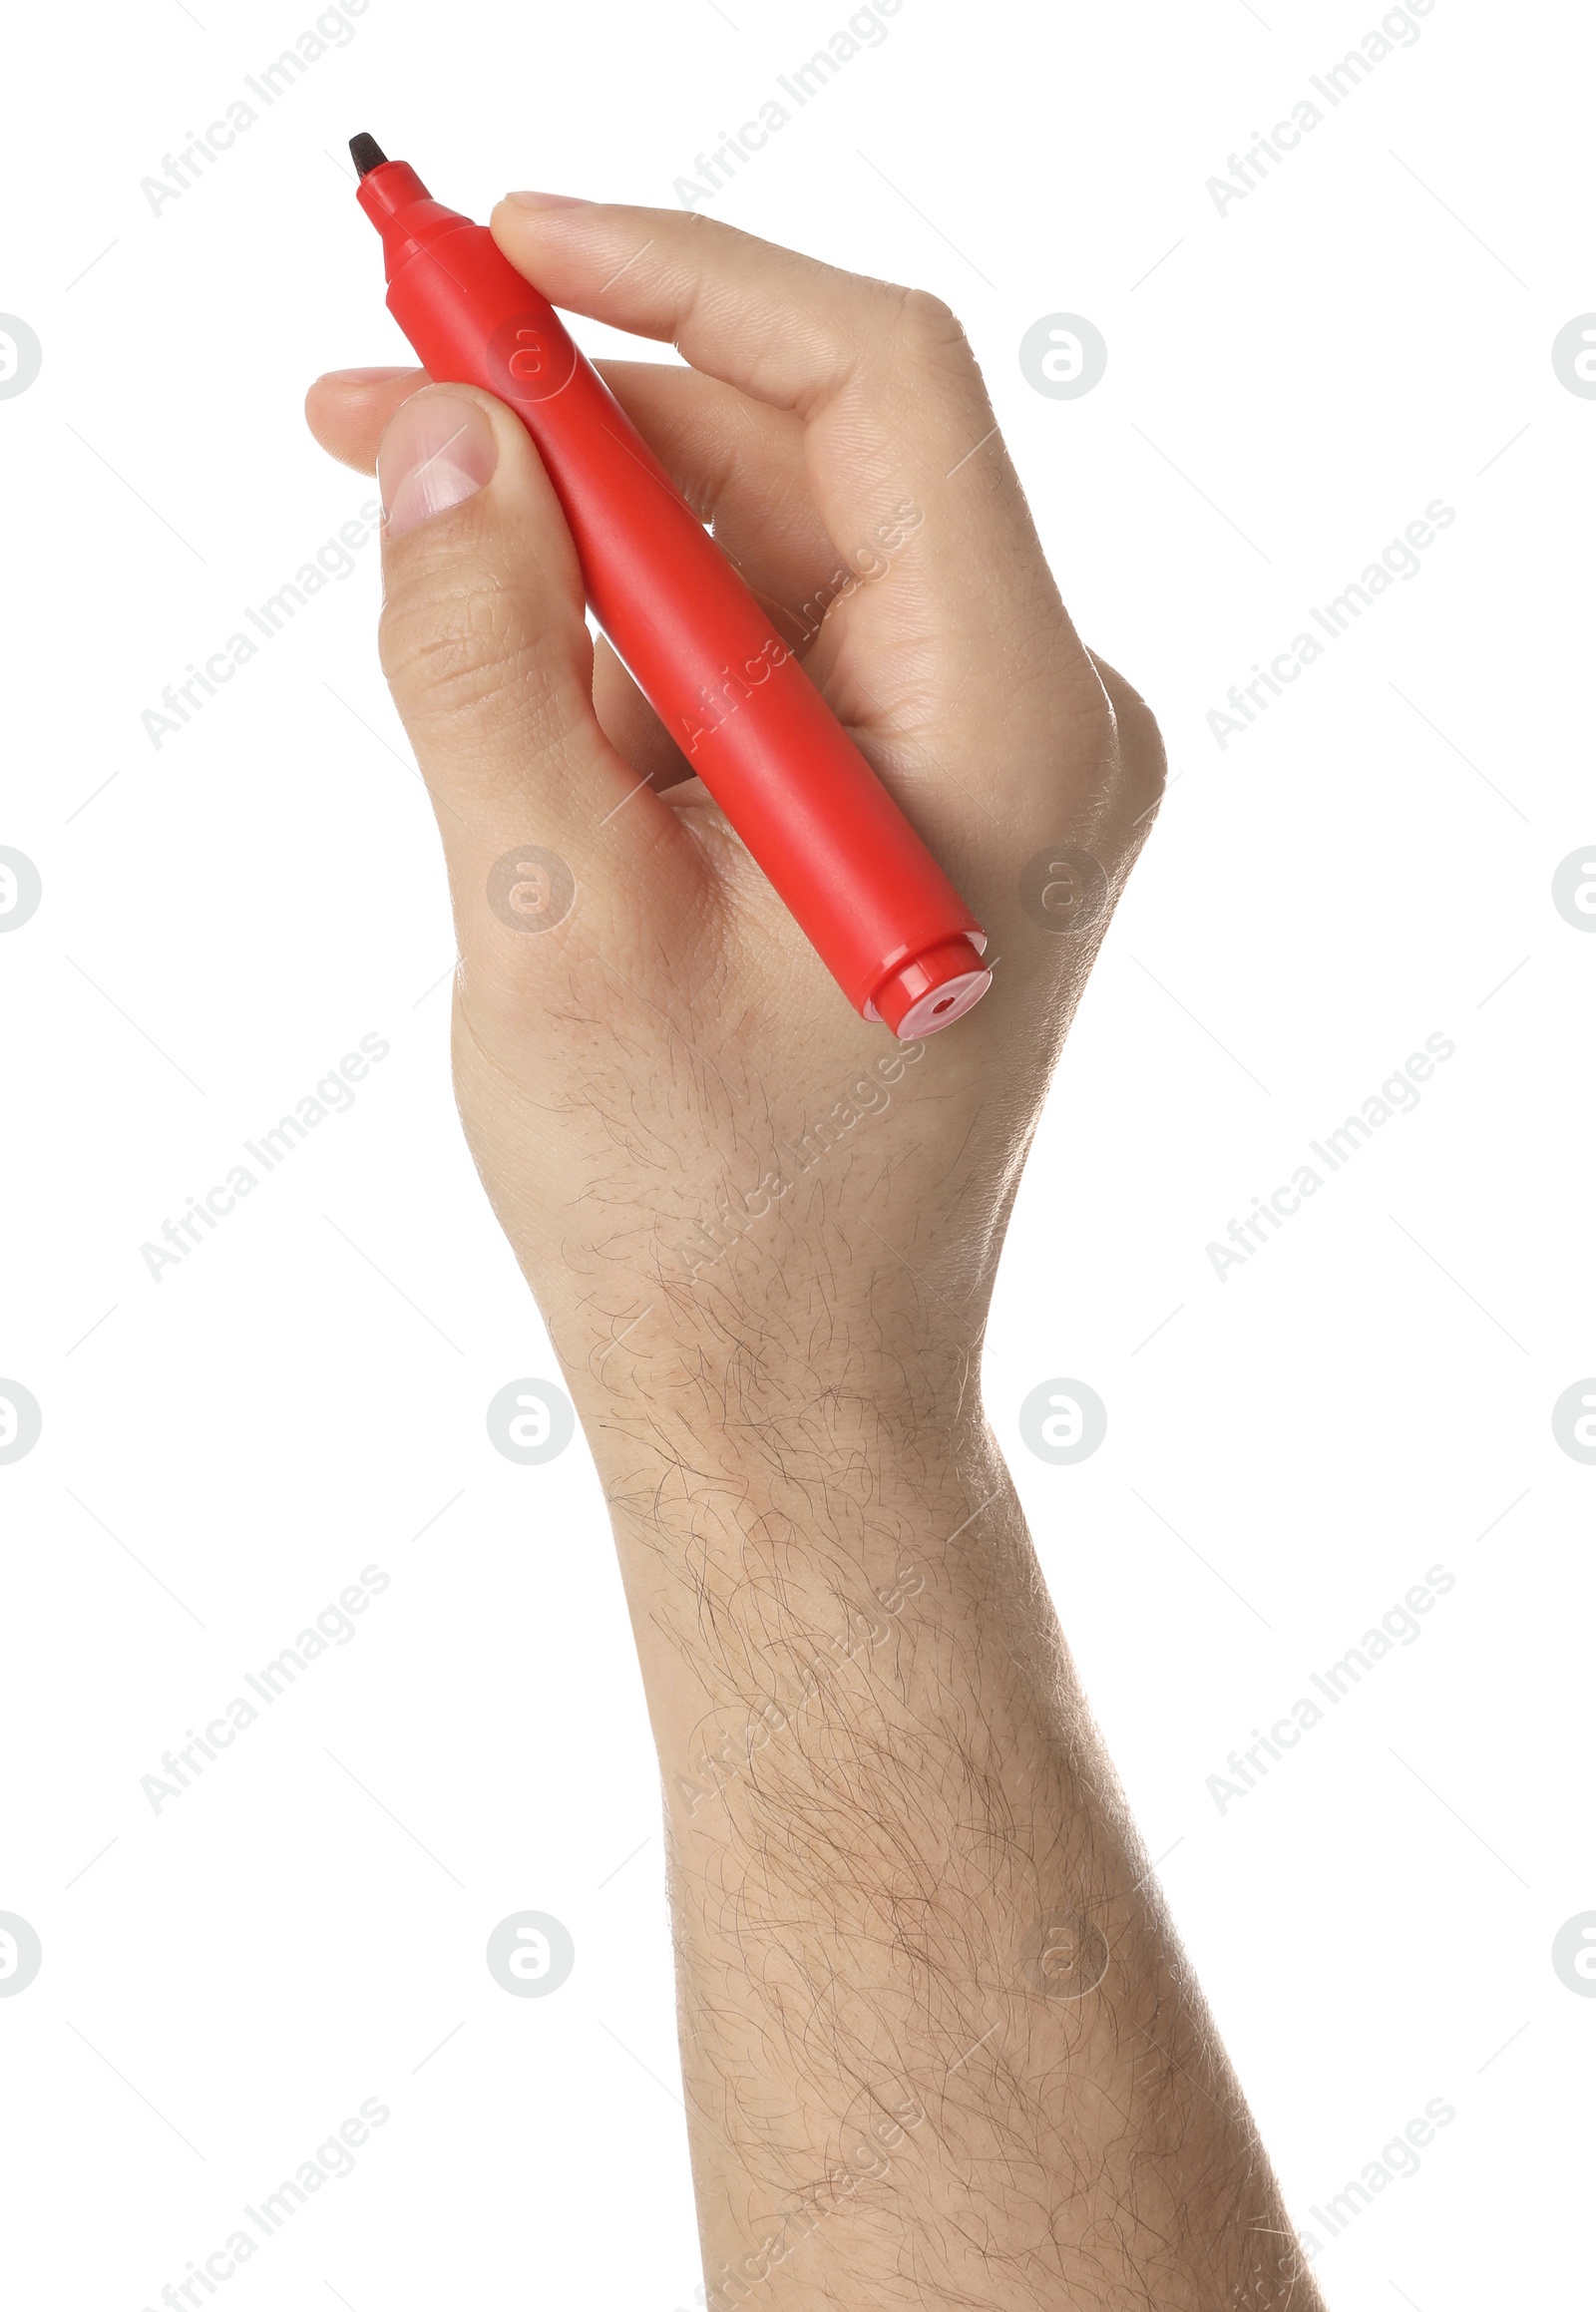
(934, 991)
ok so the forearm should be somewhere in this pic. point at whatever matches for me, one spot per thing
(939, 2046)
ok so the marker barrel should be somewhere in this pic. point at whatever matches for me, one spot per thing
(879, 910)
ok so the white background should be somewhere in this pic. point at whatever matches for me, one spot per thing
(1289, 1451)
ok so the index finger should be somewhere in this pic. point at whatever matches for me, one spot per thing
(783, 328)
(895, 407)
(883, 376)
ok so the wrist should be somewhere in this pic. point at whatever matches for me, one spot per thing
(884, 1405)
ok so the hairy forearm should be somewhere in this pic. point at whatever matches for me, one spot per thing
(939, 2046)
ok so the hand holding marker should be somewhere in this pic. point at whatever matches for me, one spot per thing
(880, 913)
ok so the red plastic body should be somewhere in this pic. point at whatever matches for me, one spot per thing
(879, 910)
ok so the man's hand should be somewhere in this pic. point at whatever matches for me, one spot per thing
(633, 1070)
(938, 2046)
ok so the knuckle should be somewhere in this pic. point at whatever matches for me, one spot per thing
(929, 330)
(1136, 742)
(1144, 760)
(455, 651)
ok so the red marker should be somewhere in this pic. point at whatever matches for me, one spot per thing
(882, 915)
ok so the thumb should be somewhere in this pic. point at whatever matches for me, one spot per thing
(487, 652)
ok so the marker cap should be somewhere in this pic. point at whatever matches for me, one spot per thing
(934, 991)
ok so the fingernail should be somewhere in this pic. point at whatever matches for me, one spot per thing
(548, 201)
(362, 376)
(437, 452)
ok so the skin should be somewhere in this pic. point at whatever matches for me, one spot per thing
(939, 2045)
